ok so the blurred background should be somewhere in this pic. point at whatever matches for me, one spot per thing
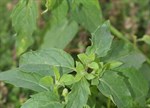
(131, 17)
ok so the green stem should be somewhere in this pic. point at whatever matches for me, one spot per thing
(122, 37)
(118, 34)
(109, 103)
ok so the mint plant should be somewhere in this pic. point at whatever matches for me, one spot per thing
(108, 69)
(61, 82)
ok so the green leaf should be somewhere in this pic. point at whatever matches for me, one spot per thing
(40, 69)
(60, 35)
(139, 86)
(96, 99)
(113, 64)
(80, 69)
(85, 59)
(145, 69)
(43, 100)
(47, 82)
(67, 79)
(22, 79)
(101, 41)
(127, 88)
(94, 65)
(48, 58)
(87, 13)
(90, 76)
(95, 81)
(78, 96)
(24, 18)
(59, 13)
(133, 59)
(146, 39)
(113, 86)
(126, 54)
(57, 73)
(50, 4)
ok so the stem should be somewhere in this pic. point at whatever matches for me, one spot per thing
(109, 103)
(122, 37)
(119, 34)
